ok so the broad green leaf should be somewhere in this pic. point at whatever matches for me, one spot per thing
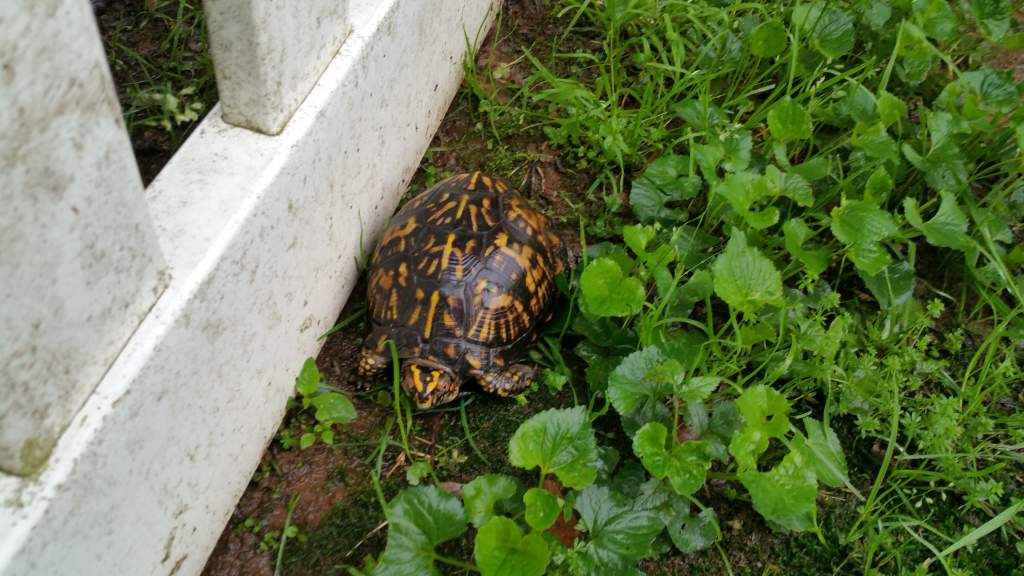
(542, 508)
(693, 533)
(860, 104)
(559, 441)
(996, 90)
(699, 116)
(947, 228)
(726, 420)
(862, 227)
(745, 278)
(736, 151)
(892, 286)
(502, 550)
(875, 140)
(994, 16)
(768, 39)
(890, 108)
(709, 156)
(791, 185)
(688, 466)
(685, 465)
(878, 186)
(788, 121)
(698, 388)
(618, 534)
(696, 289)
(830, 28)
(309, 378)
(742, 191)
(483, 492)
(784, 495)
(874, 13)
(693, 245)
(333, 408)
(917, 56)
(639, 237)
(937, 19)
(666, 181)
(944, 167)
(307, 440)
(630, 388)
(419, 519)
(764, 413)
(796, 233)
(649, 446)
(608, 292)
(812, 170)
(417, 471)
(823, 450)
(616, 252)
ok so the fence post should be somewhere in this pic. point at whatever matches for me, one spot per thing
(267, 55)
(79, 260)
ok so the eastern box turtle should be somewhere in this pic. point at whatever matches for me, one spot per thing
(461, 280)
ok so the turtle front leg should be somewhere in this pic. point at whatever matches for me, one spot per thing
(506, 381)
(371, 364)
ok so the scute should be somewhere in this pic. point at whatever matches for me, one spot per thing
(465, 272)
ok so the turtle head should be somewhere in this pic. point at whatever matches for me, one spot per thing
(429, 386)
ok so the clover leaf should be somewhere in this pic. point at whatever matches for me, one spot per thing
(560, 442)
(419, 519)
(502, 550)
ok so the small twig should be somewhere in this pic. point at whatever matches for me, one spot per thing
(367, 537)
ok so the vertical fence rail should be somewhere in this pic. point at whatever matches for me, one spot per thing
(79, 261)
(267, 55)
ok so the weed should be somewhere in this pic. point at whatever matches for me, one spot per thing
(813, 286)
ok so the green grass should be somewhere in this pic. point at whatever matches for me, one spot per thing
(160, 60)
(817, 204)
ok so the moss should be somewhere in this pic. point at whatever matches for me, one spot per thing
(34, 454)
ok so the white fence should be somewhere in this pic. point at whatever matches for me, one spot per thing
(149, 337)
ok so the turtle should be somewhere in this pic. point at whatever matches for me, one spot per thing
(461, 281)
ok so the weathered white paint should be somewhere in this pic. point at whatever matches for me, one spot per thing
(267, 55)
(261, 234)
(79, 261)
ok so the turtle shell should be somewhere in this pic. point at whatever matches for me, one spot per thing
(463, 275)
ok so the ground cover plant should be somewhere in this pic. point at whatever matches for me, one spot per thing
(794, 343)
(808, 252)
(160, 60)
